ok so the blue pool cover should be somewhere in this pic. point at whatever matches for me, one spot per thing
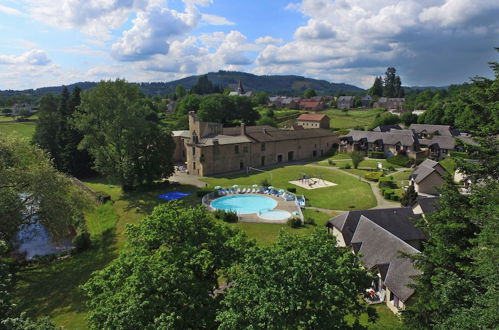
(173, 195)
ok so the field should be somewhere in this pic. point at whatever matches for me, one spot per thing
(352, 118)
(348, 194)
(23, 129)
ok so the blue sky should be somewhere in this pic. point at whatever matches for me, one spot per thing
(430, 42)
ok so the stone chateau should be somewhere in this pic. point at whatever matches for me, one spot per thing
(209, 148)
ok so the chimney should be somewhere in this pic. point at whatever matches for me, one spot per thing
(243, 129)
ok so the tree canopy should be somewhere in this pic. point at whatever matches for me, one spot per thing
(300, 282)
(167, 276)
(123, 135)
(32, 190)
(309, 92)
(227, 109)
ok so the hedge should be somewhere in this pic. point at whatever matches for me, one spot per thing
(459, 154)
(377, 154)
(400, 160)
(203, 191)
(373, 176)
(387, 182)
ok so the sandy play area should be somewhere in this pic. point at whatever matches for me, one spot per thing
(313, 183)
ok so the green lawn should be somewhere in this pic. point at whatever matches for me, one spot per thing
(352, 118)
(449, 164)
(348, 191)
(23, 129)
(367, 163)
(402, 178)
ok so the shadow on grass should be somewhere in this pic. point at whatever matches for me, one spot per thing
(54, 288)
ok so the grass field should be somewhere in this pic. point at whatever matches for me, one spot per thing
(23, 129)
(348, 194)
(449, 164)
(352, 118)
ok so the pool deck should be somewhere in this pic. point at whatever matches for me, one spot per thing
(282, 204)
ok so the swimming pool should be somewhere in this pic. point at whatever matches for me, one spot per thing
(244, 204)
(275, 215)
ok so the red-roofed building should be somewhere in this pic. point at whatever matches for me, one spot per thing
(311, 120)
(312, 105)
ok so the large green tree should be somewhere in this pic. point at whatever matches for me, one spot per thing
(309, 92)
(123, 135)
(32, 189)
(227, 109)
(377, 88)
(166, 278)
(299, 282)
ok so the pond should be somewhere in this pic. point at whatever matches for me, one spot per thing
(34, 239)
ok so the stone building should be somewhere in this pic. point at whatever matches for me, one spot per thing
(311, 120)
(211, 148)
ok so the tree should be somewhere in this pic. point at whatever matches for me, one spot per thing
(309, 92)
(167, 275)
(357, 157)
(187, 104)
(397, 84)
(227, 109)
(23, 114)
(408, 118)
(410, 196)
(300, 282)
(385, 119)
(205, 86)
(266, 120)
(262, 98)
(32, 190)
(377, 88)
(47, 127)
(123, 134)
(180, 91)
(389, 83)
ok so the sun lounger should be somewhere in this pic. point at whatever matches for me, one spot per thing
(243, 191)
(261, 190)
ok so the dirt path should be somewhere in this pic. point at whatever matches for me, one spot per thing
(185, 178)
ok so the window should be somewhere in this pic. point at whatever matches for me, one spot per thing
(245, 149)
(193, 151)
(194, 165)
(263, 146)
(236, 149)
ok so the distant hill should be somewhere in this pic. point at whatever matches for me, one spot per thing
(275, 84)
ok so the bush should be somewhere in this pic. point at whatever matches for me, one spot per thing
(81, 241)
(347, 166)
(400, 160)
(203, 191)
(343, 131)
(331, 162)
(102, 197)
(294, 222)
(391, 168)
(373, 176)
(291, 189)
(357, 157)
(377, 154)
(265, 183)
(226, 216)
(387, 193)
(387, 182)
(310, 221)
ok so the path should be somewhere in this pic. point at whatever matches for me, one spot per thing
(382, 203)
(324, 210)
(188, 179)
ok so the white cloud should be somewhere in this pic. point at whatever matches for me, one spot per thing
(216, 20)
(33, 57)
(10, 11)
(268, 40)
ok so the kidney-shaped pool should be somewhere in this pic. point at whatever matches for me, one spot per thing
(244, 204)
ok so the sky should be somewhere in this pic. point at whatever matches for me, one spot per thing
(429, 42)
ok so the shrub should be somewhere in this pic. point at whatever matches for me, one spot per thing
(373, 176)
(387, 182)
(102, 197)
(377, 154)
(294, 222)
(226, 216)
(342, 131)
(310, 221)
(347, 166)
(203, 191)
(387, 193)
(265, 183)
(291, 189)
(331, 162)
(81, 241)
(400, 160)
(391, 168)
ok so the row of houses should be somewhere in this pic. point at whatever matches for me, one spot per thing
(315, 103)
(419, 141)
(381, 237)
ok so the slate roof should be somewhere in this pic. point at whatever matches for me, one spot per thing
(311, 104)
(184, 134)
(386, 128)
(380, 248)
(428, 204)
(425, 169)
(235, 131)
(442, 130)
(443, 142)
(397, 221)
(311, 117)
(281, 135)
(386, 137)
(224, 139)
(345, 98)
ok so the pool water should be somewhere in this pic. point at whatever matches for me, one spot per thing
(244, 204)
(275, 215)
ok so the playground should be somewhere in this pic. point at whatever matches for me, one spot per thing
(307, 182)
